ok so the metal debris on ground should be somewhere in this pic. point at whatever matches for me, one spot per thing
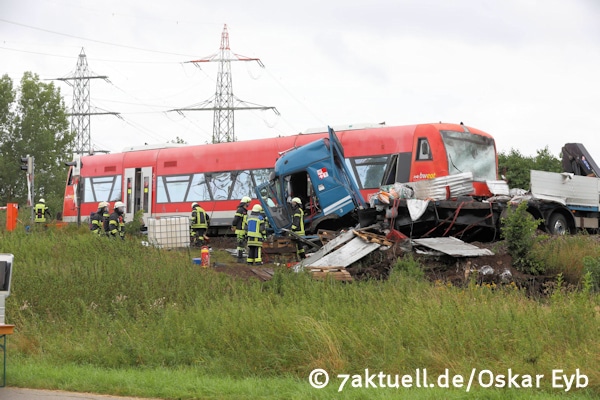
(452, 246)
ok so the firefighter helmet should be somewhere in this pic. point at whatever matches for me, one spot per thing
(194, 204)
(257, 208)
(297, 201)
(246, 199)
(42, 201)
(102, 204)
(119, 204)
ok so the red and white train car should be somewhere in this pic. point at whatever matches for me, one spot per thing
(164, 181)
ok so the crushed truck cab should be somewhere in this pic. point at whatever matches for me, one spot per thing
(317, 174)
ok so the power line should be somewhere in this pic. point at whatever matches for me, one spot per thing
(90, 40)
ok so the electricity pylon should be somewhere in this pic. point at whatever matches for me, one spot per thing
(81, 110)
(224, 103)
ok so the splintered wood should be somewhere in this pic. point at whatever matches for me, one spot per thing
(373, 238)
(337, 273)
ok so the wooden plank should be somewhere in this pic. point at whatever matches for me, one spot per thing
(342, 275)
(280, 250)
(278, 243)
(374, 238)
(262, 275)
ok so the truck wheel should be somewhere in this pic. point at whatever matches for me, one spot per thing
(558, 224)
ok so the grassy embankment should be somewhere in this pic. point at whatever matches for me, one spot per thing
(117, 317)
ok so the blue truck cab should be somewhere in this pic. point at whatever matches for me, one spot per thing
(317, 174)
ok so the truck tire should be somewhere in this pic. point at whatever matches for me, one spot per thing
(558, 224)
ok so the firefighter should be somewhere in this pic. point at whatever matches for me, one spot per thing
(198, 225)
(116, 221)
(254, 227)
(41, 212)
(97, 223)
(264, 215)
(237, 225)
(105, 219)
(298, 225)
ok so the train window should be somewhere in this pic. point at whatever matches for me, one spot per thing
(368, 171)
(219, 184)
(199, 190)
(172, 188)
(242, 185)
(105, 188)
(423, 150)
(261, 176)
(180, 188)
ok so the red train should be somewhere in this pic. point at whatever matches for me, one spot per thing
(164, 181)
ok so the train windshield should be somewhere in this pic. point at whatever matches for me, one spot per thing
(468, 152)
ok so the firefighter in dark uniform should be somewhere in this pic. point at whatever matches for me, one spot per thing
(298, 225)
(41, 213)
(105, 219)
(237, 225)
(198, 225)
(116, 221)
(254, 226)
(98, 219)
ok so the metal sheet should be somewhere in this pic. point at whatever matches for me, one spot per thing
(351, 252)
(498, 188)
(453, 247)
(459, 185)
(330, 246)
(565, 188)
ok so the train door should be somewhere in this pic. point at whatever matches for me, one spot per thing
(138, 192)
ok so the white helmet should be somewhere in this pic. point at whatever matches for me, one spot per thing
(246, 199)
(257, 208)
(194, 204)
(297, 201)
(102, 204)
(119, 204)
(42, 201)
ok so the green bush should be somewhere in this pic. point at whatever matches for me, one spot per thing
(408, 266)
(518, 229)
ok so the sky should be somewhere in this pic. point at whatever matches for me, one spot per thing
(525, 71)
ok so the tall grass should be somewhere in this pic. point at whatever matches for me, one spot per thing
(81, 300)
(566, 254)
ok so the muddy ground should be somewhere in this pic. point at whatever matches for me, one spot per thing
(496, 269)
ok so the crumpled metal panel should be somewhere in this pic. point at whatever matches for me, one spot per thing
(498, 188)
(565, 188)
(459, 185)
(453, 247)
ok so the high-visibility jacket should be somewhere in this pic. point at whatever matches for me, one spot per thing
(298, 221)
(199, 218)
(40, 210)
(97, 223)
(240, 217)
(116, 225)
(255, 229)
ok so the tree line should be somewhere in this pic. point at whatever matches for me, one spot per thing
(34, 121)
